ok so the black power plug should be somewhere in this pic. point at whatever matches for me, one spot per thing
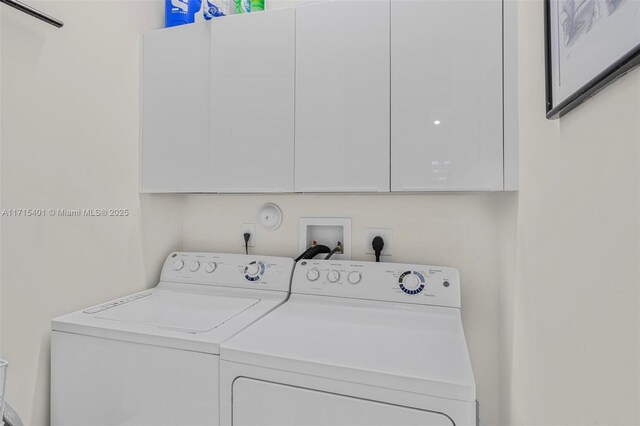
(246, 236)
(378, 245)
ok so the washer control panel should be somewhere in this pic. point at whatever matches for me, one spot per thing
(392, 282)
(229, 270)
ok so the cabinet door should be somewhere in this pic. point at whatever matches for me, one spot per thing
(446, 95)
(252, 102)
(175, 110)
(342, 96)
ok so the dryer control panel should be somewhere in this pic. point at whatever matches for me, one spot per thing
(228, 270)
(392, 282)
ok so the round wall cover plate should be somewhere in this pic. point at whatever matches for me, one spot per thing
(270, 216)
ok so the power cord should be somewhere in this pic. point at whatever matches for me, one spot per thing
(246, 236)
(378, 245)
(313, 251)
(336, 249)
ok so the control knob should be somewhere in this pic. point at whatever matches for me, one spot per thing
(313, 274)
(333, 276)
(411, 282)
(194, 266)
(178, 264)
(252, 269)
(210, 267)
(354, 277)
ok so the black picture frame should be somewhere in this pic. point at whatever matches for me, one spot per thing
(614, 71)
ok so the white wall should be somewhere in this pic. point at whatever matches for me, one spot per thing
(571, 316)
(70, 140)
(460, 230)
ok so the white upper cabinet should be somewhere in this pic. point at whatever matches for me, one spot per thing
(342, 97)
(218, 105)
(175, 110)
(252, 102)
(446, 95)
(337, 96)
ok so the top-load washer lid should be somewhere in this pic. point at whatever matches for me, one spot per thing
(186, 312)
(202, 300)
(175, 319)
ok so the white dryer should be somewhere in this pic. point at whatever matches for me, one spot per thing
(358, 343)
(152, 358)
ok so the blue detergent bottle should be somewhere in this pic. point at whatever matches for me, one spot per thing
(180, 12)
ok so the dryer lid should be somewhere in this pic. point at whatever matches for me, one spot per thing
(420, 349)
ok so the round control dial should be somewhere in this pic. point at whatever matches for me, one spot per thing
(333, 276)
(254, 270)
(411, 282)
(178, 264)
(210, 267)
(313, 274)
(194, 266)
(354, 277)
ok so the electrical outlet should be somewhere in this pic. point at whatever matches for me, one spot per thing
(250, 228)
(387, 236)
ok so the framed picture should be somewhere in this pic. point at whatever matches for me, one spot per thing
(589, 44)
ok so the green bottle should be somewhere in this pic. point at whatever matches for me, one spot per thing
(246, 6)
(243, 6)
(257, 5)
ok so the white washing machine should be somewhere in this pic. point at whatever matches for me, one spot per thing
(152, 358)
(357, 343)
